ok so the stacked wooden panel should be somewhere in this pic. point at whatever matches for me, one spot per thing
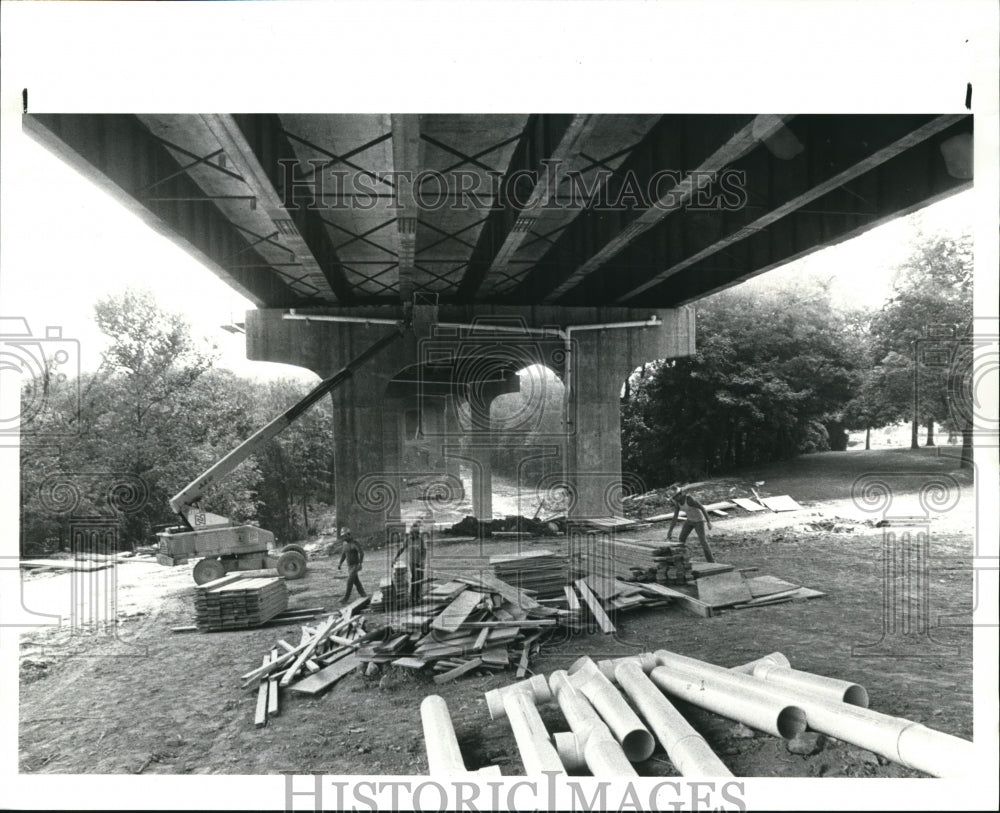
(542, 572)
(239, 602)
(673, 565)
(644, 561)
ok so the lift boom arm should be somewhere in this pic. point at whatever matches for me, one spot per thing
(185, 501)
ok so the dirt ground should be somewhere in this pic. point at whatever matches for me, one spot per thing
(146, 700)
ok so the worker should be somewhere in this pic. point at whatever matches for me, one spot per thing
(416, 553)
(696, 518)
(352, 552)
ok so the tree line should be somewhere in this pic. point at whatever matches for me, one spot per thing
(154, 416)
(780, 370)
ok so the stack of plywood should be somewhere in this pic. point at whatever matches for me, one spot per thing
(542, 573)
(239, 602)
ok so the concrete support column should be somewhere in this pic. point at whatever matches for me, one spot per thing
(593, 447)
(367, 443)
(482, 396)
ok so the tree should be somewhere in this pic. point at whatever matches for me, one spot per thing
(775, 365)
(928, 312)
(154, 412)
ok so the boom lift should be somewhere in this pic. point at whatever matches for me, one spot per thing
(222, 546)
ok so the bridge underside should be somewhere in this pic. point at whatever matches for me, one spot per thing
(632, 210)
(560, 237)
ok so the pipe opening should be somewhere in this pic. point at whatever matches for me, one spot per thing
(856, 695)
(791, 722)
(638, 745)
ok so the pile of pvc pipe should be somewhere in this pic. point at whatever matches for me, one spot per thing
(608, 733)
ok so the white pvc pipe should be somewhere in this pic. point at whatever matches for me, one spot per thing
(538, 755)
(358, 320)
(897, 739)
(775, 658)
(751, 704)
(602, 755)
(444, 757)
(570, 750)
(646, 661)
(636, 741)
(826, 688)
(687, 749)
(536, 687)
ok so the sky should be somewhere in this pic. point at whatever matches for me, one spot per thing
(102, 247)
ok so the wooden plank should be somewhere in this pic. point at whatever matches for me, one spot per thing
(748, 505)
(782, 503)
(799, 594)
(409, 663)
(768, 585)
(604, 587)
(220, 582)
(260, 713)
(309, 648)
(481, 640)
(324, 678)
(65, 564)
(572, 601)
(311, 665)
(272, 690)
(458, 671)
(700, 569)
(522, 664)
(498, 656)
(347, 611)
(686, 601)
(453, 616)
(521, 622)
(595, 607)
(723, 589)
(519, 598)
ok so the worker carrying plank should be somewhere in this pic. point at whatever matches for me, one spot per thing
(416, 554)
(696, 518)
(355, 557)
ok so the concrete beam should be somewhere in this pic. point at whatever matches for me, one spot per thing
(269, 144)
(881, 144)
(407, 159)
(739, 144)
(546, 186)
(247, 163)
(911, 180)
(136, 161)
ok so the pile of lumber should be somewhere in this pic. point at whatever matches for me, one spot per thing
(324, 654)
(239, 602)
(601, 597)
(468, 623)
(638, 560)
(542, 573)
